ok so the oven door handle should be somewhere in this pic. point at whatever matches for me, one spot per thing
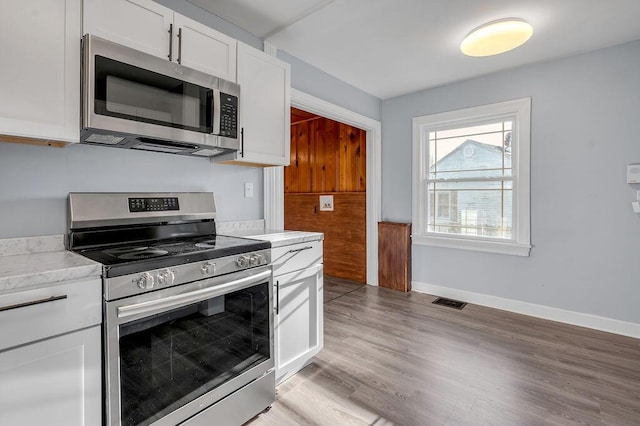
(179, 300)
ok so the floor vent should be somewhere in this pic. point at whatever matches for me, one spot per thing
(450, 303)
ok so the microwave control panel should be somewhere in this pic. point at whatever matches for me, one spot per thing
(228, 115)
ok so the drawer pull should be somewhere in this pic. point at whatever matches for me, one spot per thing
(300, 249)
(33, 302)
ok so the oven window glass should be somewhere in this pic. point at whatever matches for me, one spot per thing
(132, 93)
(168, 360)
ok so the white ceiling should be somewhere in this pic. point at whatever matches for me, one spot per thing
(393, 47)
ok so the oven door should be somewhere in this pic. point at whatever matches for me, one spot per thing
(174, 352)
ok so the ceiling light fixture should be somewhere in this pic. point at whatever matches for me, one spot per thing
(496, 37)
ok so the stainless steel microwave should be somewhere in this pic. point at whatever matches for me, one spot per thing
(131, 99)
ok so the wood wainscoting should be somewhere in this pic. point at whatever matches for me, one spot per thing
(344, 228)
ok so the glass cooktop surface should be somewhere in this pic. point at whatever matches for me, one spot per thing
(137, 257)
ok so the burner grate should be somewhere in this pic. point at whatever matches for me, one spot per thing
(449, 303)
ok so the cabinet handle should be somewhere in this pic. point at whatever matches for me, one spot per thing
(300, 249)
(277, 297)
(33, 302)
(242, 142)
(170, 42)
(180, 45)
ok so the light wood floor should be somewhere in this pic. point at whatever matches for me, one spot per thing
(394, 358)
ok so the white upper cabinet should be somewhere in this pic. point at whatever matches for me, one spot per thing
(139, 24)
(40, 72)
(152, 28)
(204, 49)
(265, 115)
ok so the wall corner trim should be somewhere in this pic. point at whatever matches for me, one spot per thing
(580, 319)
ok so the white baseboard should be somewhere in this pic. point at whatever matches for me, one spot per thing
(540, 311)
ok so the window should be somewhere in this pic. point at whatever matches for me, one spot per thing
(471, 178)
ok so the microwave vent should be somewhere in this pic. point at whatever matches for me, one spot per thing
(208, 152)
(104, 139)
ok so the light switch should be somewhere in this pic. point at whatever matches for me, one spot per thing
(248, 190)
(633, 173)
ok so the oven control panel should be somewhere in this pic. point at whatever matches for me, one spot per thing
(158, 204)
(157, 279)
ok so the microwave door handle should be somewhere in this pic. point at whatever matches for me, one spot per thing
(172, 302)
(170, 43)
(180, 46)
(216, 112)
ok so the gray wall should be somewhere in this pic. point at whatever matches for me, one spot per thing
(35, 181)
(585, 130)
(318, 83)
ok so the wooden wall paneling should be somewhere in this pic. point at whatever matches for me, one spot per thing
(332, 147)
(345, 254)
(343, 159)
(353, 159)
(326, 157)
(291, 171)
(304, 163)
(362, 164)
(298, 116)
(317, 161)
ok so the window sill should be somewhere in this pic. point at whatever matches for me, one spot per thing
(500, 247)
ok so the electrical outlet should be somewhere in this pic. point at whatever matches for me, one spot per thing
(248, 190)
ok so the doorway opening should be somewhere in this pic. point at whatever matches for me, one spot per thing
(274, 176)
(325, 190)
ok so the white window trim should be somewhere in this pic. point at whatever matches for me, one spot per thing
(520, 245)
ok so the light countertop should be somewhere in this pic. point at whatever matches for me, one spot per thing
(282, 238)
(38, 261)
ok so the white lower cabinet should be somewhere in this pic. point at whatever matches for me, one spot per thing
(299, 307)
(53, 382)
(50, 355)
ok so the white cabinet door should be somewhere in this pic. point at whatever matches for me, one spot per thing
(54, 382)
(139, 24)
(204, 49)
(40, 72)
(264, 107)
(299, 320)
(152, 28)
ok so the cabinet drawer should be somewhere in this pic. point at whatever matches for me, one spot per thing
(295, 257)
(26, 316)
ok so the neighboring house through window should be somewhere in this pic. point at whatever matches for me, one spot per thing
(471, 178)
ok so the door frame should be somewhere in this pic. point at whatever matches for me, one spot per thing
(274, 176)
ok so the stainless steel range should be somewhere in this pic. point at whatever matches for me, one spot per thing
(188, 313)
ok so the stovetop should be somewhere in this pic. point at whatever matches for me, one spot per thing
(142, 256)
(134, 233)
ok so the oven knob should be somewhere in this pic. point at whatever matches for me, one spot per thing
(166, 277)
(208, 268)
(255, 259)
(243, 261)
(145, 281)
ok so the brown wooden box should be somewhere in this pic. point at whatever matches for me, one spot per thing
(394, 255)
